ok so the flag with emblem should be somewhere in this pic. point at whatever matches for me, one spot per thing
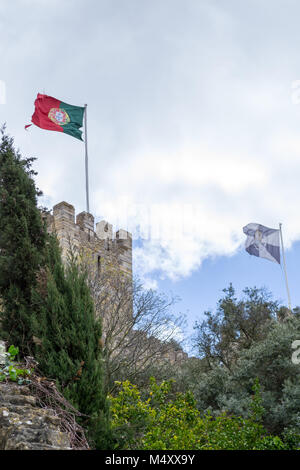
(55, 115)
(263, 242)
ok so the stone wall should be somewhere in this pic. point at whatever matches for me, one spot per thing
(101, 243)
(24, 425)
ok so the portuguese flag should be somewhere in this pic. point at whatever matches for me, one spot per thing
(55, 115)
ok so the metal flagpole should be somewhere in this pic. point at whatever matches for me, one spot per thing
(284, 267)
(86, 161)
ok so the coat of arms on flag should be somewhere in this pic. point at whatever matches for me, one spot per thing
(59, 116)
(262, 242)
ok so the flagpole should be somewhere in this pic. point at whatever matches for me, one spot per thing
(284, 268)
(86, 162)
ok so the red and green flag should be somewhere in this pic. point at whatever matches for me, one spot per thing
(55, 115)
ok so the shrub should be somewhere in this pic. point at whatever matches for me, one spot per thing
(163, 421)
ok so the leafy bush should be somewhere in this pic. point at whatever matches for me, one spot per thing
(10, 371)
(163, 421)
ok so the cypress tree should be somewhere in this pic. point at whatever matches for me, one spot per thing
(22, 241)
(69, 346)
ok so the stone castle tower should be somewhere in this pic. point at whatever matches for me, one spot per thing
(101, 242)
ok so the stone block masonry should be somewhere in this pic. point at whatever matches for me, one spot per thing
(24, 425)
(81, 233)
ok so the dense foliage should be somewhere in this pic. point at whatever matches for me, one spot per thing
(164, 421)
(246, 339)
(22, 242)
(68, 339)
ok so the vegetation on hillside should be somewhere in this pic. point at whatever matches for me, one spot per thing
(22, 243)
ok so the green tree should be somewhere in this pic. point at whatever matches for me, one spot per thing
(256, 344)
(22, 241)
(271, 361)
(68, 338)
(235, 326)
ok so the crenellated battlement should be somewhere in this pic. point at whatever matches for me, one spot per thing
(81, 231)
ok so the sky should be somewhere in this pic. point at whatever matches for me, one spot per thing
(193, 129)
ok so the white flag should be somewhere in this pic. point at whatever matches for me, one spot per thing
(263, 242)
